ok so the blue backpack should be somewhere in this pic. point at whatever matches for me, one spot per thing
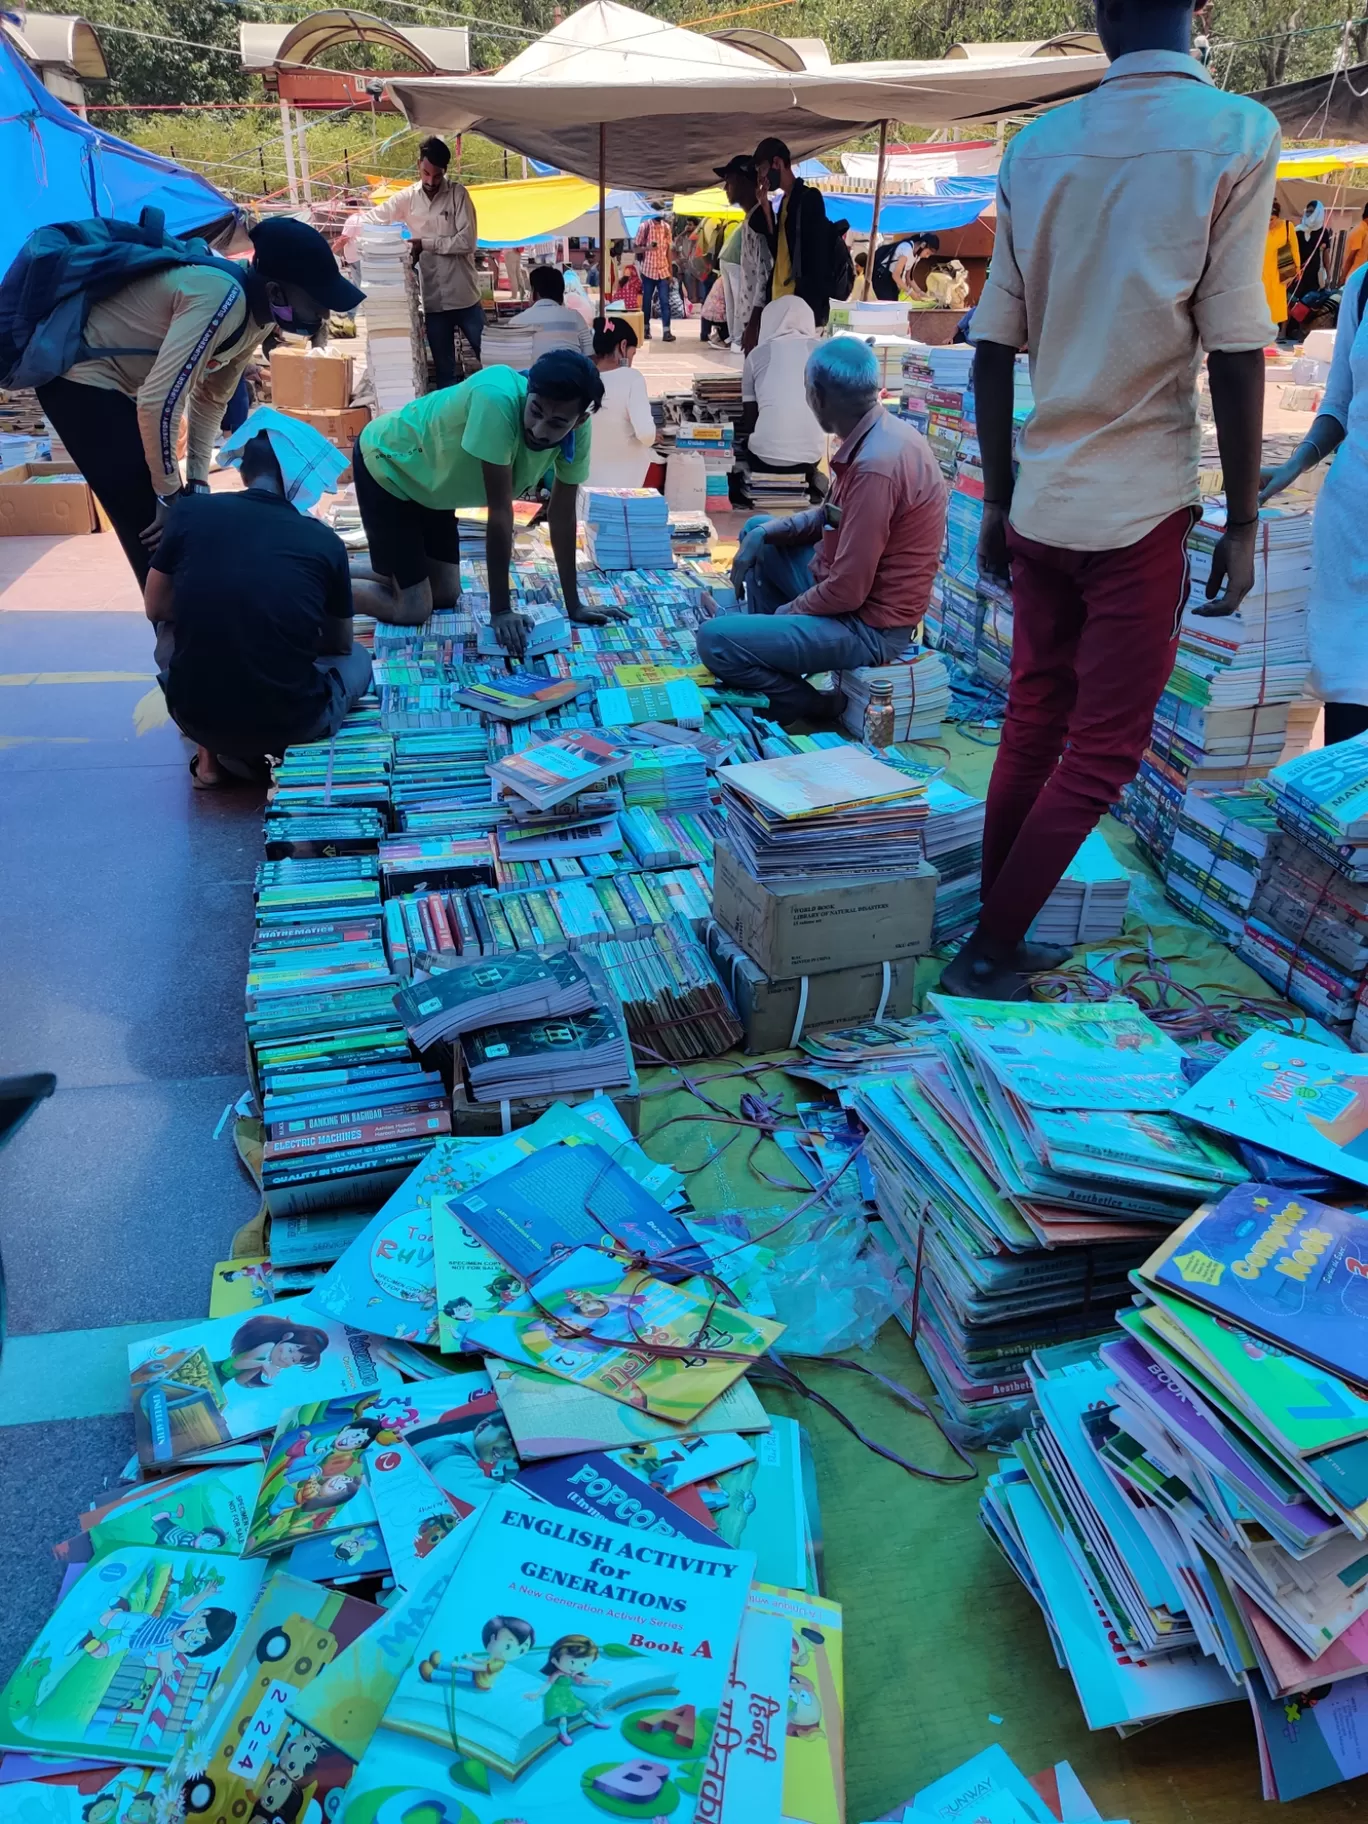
(62, 270)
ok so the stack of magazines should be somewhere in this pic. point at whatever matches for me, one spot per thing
(486, 991)
(1220, 853)
(827, 811)
(920, 688)
(627, 529)
(552, 771)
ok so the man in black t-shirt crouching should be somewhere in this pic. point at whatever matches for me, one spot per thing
(252, 604)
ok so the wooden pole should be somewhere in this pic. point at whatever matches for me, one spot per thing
(878, 205)
(604, 277)
(287, 128)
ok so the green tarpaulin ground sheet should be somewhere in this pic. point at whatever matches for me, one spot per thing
(945, 1652)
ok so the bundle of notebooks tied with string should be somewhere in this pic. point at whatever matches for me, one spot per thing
(1022, 1170)
(1190, 1507)
(488, 991)
(833, 811)
(1221, 852)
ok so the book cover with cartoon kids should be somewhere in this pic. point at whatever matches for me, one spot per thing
(414, 1514)
(589, 1310)
(245, 1757)
(237, 1287)
(341, 1558)
(315, 1479)
(91, 1795)
(1292, 1095)
(232, 1378)
(209, 1511)
(573, 1670)
(129, 1656)
(814, 1753)
(669, 1465)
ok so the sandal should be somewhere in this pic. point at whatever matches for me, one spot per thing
(205, 785)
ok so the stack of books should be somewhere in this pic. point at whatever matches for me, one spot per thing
(627, 529)
(666, 778)
(467, 993)
(1089, 904)
(1220, 854)
(1185, 1508)
(921, 694)
(691, 534)
(677, 700)
(1022, 1169)
(395, 355)
(671, 995)
(587, 1051)
(1234, 706)
(551, 771)
(835, 811)
(714, 443)
(778, 491)
(508, 345)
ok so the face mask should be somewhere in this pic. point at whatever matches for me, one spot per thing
(298, 325)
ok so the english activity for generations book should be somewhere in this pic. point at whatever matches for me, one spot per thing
(591, 1668)
(129, 1656)
(232, 1378)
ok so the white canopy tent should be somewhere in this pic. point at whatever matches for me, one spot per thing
(613, 93)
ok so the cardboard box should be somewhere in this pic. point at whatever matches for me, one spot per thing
(769, 1009)
(341, 428)
(813, 927)
(313, 382)
(55, 509)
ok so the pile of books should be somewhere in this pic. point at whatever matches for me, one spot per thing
(921, 694)
(549, 772)
(1220, 854)
(691, 534)
(466, 994)
(715, 444)
(1185, 1506)
(1089, 904)
(675, 700)
(1234, 706)
(778, 491)
(627, 529)
(395, 355)
(1024, 1164)
(671, 995)
(835, 811)
(1306, 928)
(532, 1058)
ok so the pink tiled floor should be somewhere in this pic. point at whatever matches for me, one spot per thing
(58, 575)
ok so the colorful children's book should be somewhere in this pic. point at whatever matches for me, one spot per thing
(814, 1760)
(765, 1509)
(231, 1378)
(744, 1780)
(210, 1511)
(1312, 1739)
(520, 695)
(602, 1489)
(386, 1281)
(587, 1313)
(461, 1438)
(672, 1465)
(315, 1480)
(244, 1756)
(108, 1795)
(548, 1417)
(345, 1702)
(592, 1667)
(341, 1557)
(561, 1198)
(415, 1515)
(1285, 1267)
(129, 1657)
(240, 1285)
(1293, 1095)
(1093, 1054)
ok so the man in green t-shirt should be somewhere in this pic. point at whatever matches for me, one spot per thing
(477, 445)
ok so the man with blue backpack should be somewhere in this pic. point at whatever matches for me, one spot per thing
(123, 330)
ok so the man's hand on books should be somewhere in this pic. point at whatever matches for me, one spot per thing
(992, 543)
(1232, 563)
(511, 631)
(597, 617)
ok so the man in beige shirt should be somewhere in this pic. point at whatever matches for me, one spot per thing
(440, 216)
(1130, 238)
(174, 344)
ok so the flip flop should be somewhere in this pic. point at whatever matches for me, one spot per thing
(205, 785)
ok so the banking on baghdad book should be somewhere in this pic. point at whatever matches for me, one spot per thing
(569, 1661)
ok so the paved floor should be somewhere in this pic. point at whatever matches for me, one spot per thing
(123, 927)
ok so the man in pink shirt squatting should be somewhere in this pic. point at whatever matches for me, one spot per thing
(845, 583)
(1130, 238)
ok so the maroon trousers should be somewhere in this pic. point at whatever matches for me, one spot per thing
(1094, 638)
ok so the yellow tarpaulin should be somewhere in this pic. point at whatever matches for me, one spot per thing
(530, 209)
(712, 201)
(1314, 161)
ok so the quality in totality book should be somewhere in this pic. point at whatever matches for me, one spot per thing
(572, 1671)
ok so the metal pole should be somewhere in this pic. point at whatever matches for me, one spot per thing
(305, 176)
(878, 205)
(288, 130)
(603, 262)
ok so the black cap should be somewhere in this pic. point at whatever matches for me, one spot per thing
(293, 253)
(743, 165)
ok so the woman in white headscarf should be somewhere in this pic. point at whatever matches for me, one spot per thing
(786, 435)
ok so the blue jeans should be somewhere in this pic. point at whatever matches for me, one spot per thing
(441, 327)
(765, 651)
(656, 288)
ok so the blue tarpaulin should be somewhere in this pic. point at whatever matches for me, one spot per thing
(58, 168)
(959, 201)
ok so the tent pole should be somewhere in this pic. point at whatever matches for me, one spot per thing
(288, 130)
(878, 206)
(605, 285)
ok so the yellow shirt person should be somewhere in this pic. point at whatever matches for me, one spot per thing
(1279, 267)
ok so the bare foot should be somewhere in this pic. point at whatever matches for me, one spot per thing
(204, 770)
